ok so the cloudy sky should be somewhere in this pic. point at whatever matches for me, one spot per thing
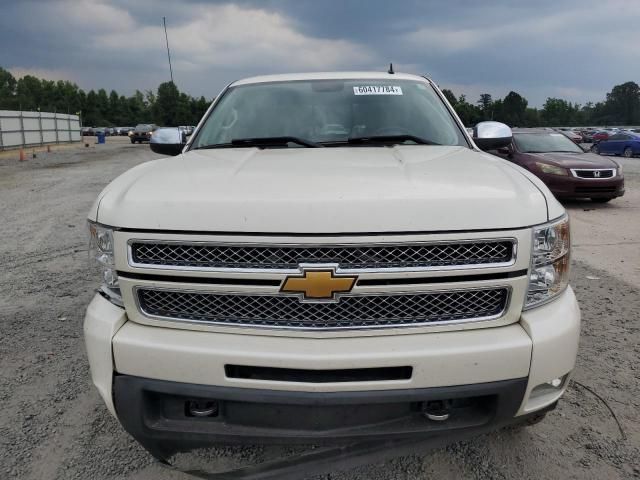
(574, 49)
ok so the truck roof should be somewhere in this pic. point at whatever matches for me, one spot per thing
(327, 76)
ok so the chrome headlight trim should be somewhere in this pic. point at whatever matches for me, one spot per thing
(101, 250)
(550, 259)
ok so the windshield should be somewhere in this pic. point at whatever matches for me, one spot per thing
(330, 112)
(544, 142)
(144, 127)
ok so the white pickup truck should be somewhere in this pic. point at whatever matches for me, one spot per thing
(331, 257)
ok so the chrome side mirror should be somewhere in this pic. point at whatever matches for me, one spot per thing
(491, 135)
(168, 141)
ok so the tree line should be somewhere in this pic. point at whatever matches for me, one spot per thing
(620, 107)
(168, 106)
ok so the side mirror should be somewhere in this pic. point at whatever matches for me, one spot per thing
(167, 141)
(492, 135)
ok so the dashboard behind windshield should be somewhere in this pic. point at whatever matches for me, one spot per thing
(330, 112)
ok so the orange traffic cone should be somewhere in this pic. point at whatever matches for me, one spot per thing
(22, 159)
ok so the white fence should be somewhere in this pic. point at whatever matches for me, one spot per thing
(23, 129)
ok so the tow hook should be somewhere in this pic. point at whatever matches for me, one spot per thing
(202, 408)
(435, 410)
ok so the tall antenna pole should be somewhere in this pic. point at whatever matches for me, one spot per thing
(164, 22)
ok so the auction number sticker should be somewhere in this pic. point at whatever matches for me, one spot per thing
(377, 90)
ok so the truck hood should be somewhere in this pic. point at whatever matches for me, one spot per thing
(324, 190)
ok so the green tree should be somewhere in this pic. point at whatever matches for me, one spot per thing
(485, 102)
(531, 118)
(138, 109)
(513, 109)
(623, 103)
(166, 105)
(7, 89)
(114, 110)
(91, 114)
(469, 114)
(557, 112)
(29, 93)
(449, 96)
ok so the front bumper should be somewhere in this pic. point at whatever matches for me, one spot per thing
(154, 371)
(572, 187)
(156, 413)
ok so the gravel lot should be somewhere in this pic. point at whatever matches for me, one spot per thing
(53, 424)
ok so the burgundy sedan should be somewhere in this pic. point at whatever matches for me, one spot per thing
(563, 166)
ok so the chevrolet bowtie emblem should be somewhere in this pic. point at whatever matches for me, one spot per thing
(318, 284)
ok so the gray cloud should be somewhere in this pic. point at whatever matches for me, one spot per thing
(575, 49)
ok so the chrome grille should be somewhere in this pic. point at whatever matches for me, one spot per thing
(595, 173)
(352, 311)
(417, 255)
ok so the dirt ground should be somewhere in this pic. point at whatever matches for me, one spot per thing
(53, 425)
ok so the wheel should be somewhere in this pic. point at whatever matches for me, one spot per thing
(628, 152)
(595, 149)
(601, 200)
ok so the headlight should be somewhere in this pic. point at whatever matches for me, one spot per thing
(101, 251)
(549, 274)
(552, 169)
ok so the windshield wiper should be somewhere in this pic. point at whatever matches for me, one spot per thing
(272, 141)
(262, 142)
(393, 139)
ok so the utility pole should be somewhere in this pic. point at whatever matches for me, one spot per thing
(164, 22)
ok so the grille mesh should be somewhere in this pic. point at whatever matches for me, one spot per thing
(592, 173)
(348, 257)
(352, 311)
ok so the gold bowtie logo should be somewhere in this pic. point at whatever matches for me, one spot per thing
(318, 284)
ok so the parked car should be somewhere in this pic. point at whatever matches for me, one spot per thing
(142, 132)
(568, 170)
(573, 136)
(587, 136)
(123, 131)
(624, 144)
(99, 131)
(600, 135)
(398, 283)
(86, 132)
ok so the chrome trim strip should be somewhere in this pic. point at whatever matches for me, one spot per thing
(507, 305)
(574, 172)
(289, 271)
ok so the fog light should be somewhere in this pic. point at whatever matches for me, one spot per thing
(551, 387)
